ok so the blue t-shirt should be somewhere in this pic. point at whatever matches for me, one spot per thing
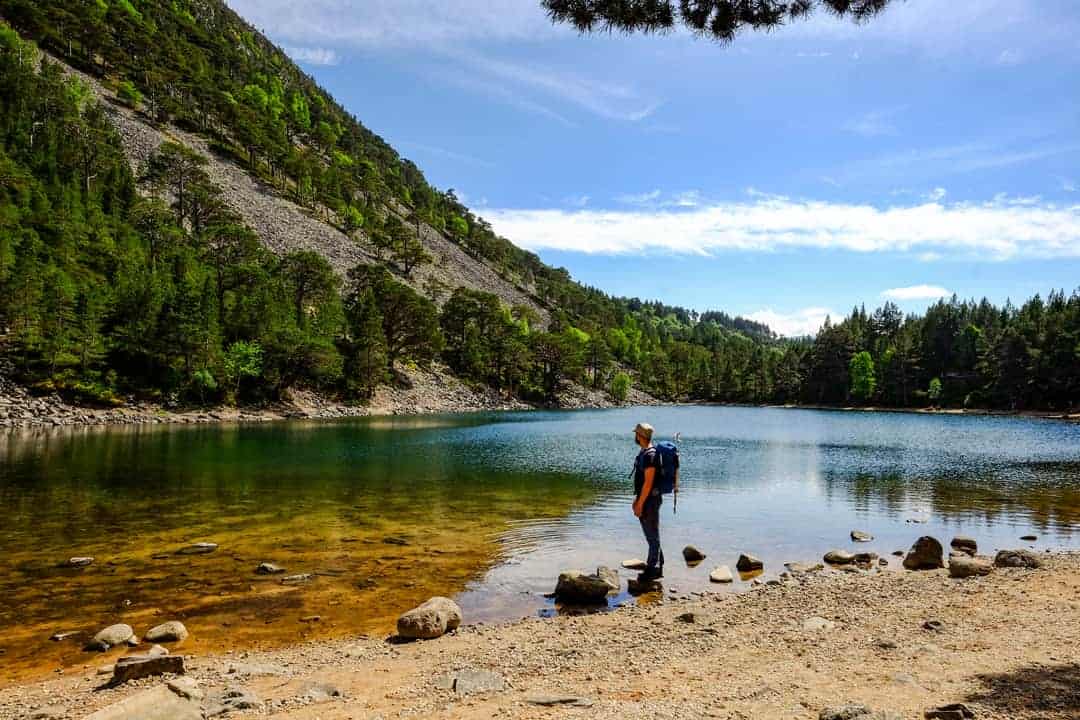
(647, 458)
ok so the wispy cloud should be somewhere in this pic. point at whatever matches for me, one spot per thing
(313, 55)
(916, 292)
(937, 194)
(806, 321)
(1010, 57)
(875, 123)
(999, 229)
(448, 154)
(605, 99)
(645, 198)
(956, 159)
(578, 200)
(1068, 185)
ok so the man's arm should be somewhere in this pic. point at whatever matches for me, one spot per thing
(646, 489)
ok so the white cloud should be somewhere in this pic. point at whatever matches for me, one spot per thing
(937, 194)
(313, 55)
(578, 200)
(1010, 57)
(916, 292)
(875, 123)
(801, 322)
(999, 229)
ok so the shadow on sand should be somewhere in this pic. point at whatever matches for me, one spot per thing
(1047, 692)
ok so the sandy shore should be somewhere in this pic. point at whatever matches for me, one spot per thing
(1006, 645)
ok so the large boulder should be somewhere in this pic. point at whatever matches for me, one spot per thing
(925, 554)
(111, 636)
(965, 544)
(136, 667)
(433, 619)
(172, 631)
(965, 567)
(156, 703)
(749, 563)
(577, 588)
(839, 557)
(1017, 559)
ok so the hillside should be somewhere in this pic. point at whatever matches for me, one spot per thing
(188, 218)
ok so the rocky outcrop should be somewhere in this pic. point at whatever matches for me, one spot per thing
(433, 619)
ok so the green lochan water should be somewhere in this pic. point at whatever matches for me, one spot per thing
(384, 513)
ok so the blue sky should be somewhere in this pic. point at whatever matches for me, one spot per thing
(786, 176)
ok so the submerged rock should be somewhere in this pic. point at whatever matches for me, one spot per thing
(749, 563)
(297, 579)
(635, 564)
(1029, 538)
(860, 536)
(643, 585)
(433, 619)
(79, 562)
(576, 587)
(925, 554)
(172, 631)
(269, 569)
(201, 548)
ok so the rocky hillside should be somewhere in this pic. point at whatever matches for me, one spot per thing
(284, 227)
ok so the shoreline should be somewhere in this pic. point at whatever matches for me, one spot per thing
(787, 650)
(1058, 415)
(423, 392)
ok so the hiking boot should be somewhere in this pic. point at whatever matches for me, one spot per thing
(653, 573)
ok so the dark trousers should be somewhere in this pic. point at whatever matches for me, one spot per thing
(650, 525)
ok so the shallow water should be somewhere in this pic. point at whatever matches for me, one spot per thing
(489, 508)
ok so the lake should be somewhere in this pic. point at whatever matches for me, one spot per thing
(386, 512)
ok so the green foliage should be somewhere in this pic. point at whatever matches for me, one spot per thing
(129, 94)
(242, 360)
(933, 393)
(620, 387)
(863, 381)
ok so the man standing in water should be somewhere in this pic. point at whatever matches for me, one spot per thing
(647, 498)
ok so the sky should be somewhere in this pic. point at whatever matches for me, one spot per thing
(787, 176)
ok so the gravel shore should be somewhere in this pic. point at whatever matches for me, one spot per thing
(1007, 645)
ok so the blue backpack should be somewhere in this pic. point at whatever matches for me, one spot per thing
(668, 453)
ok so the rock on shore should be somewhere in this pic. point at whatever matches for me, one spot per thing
(575, 587)
(1017, 559)
(925, 554)
(172, 631)
(433, 619)
(111, 636)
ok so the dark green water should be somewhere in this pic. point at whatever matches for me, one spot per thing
(385, 513)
